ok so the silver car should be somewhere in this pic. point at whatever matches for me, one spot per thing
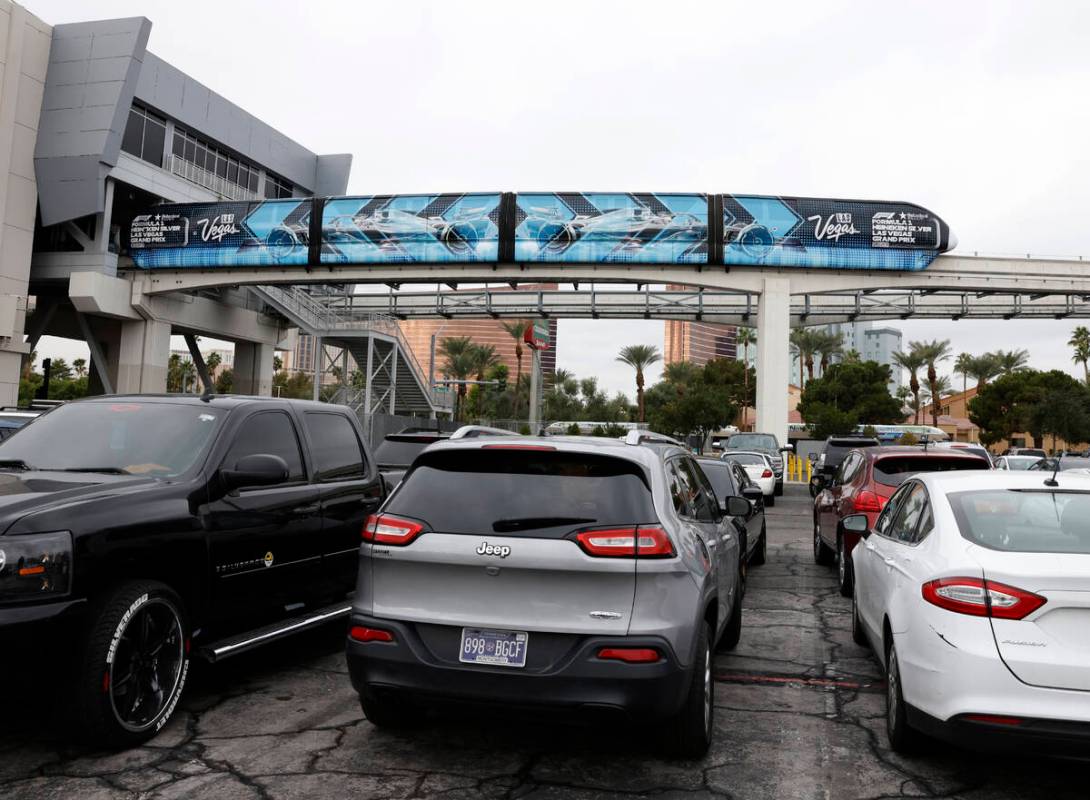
(571, 572)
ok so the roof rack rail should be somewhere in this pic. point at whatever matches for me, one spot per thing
(644, 437)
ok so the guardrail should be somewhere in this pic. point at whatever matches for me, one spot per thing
(209, 180)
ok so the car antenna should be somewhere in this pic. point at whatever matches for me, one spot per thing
(925, 440)
(1051, 481)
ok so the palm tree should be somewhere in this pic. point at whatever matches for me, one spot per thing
(639, 357)
(829, 344)
(517, 330)
(806, 344)
(80, 367)
(1010, 361)
(902, 394)
(213, 361)
(933, 397)
(458, 365)
(744, 338)
(932, 353)
(1080, 340)
(983, 368)
(964, 365)
(912, 362)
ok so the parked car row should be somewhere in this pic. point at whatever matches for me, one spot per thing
(971, 586)
(139, 532)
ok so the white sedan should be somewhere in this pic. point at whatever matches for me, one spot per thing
(758, 467)
(973, 589)
(1015, 463)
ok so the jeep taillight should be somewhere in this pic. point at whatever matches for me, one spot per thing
(388, 529)
(622, 542)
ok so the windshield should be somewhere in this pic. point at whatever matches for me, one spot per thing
(747, 460)
(895, 470)
(752, 441)
(545, 493)
(160, 439)
(400, 452)
(1021, 462)
(1024, 521)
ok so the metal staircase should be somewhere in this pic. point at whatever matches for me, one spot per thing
(394, 381)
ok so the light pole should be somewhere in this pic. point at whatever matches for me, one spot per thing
(431, 359)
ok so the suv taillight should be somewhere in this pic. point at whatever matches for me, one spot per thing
(867, 501)
(388, 529)
(981, 598)
(621, 542)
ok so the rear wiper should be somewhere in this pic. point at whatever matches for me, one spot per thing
(14, 463)
(105, 470)
(528, 523)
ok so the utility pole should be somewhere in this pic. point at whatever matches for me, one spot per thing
(535, 390)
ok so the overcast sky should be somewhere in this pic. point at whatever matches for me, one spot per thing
(976, 110)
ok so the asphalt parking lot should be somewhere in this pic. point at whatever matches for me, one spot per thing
(800, 715)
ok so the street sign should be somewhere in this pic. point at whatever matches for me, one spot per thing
(537, 335)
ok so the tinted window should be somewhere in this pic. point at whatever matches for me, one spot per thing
(753, 441)
(160, 439)
(752, 460)
(701, 496)
(338, 454)
(741, 477)
(516, 491)
(719, 474)
(895, 470)
(271, 433)
(397, 451)
(678, 496)
(882, 524)
(1025, 521)
(908, 516)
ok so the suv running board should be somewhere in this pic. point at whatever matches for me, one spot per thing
(232, 646)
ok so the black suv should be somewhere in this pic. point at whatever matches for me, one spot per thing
(135, 527)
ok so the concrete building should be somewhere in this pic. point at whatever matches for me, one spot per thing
(699, 342)
(94, 129)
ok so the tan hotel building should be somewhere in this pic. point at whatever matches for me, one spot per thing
(699, 342)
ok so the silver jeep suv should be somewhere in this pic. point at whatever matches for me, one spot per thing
(570, 572)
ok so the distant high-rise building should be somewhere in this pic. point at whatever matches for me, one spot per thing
(872, 344)
(699, 342)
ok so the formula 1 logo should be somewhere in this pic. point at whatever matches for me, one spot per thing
(487, 549)
(835, 226)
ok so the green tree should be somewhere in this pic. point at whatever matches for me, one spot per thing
(1019, 401)
(983, 368)
(296, 385)
(805, 343)
(1080, 343)
(1008, 361)
(829, 344)
(695, 399)
(913, 362)
(639, 357)
(1064, 413)
(278, 363)
(79, 365)
(59, 370)
(458, 364)
(847, 395)
(215, 359)
(745, 338)
(517, 331)
(963, 365)
(225, 380)
(932, 353)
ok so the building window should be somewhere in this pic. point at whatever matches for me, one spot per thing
(215, 160)
(145, 135)
(277, 187)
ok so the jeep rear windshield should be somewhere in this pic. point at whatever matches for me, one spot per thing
(895, 470)
(1024, 521)
(752, 441)
(129, 436)
(523, 492)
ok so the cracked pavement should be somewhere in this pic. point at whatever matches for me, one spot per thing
(799, 715)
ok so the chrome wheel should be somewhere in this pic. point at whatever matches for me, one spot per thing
(707, 690)
(892, 691)
(147, 668)
(841, 561)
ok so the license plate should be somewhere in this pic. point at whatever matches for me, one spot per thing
(495, 648)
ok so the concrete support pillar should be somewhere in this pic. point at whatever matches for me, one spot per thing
(253, 370)
(319, 367)
(142, 357)
(773, 356)
(11, 365)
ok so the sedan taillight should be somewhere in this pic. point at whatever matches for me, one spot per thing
(981, 598)
(388, 529)
(621, 542)
(766, 474)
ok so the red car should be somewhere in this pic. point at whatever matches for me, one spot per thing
(862, 485)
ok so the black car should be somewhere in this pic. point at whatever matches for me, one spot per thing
(138, 530)
(729, 479)
(835, 451)
(398, 450)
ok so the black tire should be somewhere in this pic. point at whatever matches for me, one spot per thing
(859, 634)
(903, 738)
(688, 733)
(770, 501)
(822, 554)
(779, 489)
(760, 553)
(845, 574)
(387, 711)
(732, 632)
(133, 665)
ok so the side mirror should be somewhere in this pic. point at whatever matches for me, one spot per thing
(737, 506)
(260, 469)
(856, 523)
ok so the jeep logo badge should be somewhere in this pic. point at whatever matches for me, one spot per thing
(487, 549)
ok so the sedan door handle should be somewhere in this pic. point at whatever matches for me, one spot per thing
(890, 562)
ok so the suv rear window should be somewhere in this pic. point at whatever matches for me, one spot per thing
(895, 470)
(523, 493)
